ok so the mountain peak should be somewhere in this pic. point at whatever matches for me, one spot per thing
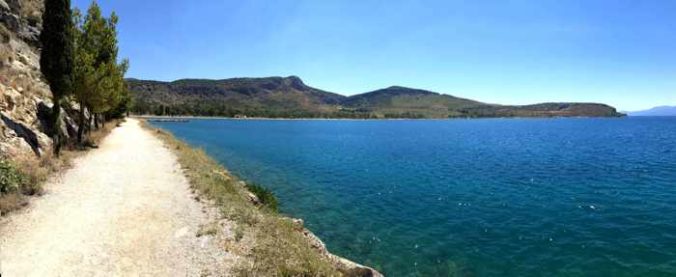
(398, 90)
(294, 82)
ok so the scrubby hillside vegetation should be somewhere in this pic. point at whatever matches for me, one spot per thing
(264, 97)
(290, 98)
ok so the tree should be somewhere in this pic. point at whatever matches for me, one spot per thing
(99, 80)
(56, 59)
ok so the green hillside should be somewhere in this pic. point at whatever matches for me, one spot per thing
(290, 98)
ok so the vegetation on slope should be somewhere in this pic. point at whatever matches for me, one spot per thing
(279, 250)
(68, 43)
(264, 97)
(291, 98)
(79, 62)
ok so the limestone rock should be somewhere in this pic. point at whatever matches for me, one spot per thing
(22, 131)
(253, 198)
(4, 6)
(68, 125)
(346, 266)
(22, 87)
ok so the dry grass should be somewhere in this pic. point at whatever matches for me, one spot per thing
(280, 248)
(37, 170)
(6, 55)
(31, 11)
(97, 136)
(5, 34)
(207, 230)
(11, 201)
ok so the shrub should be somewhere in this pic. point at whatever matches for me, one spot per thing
(265, 196)
(10, 179)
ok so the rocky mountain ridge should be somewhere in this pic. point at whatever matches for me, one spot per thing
(290, 97)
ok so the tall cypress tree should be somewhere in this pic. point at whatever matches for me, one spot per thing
(56, 59)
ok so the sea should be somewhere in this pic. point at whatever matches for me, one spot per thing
(468, 197)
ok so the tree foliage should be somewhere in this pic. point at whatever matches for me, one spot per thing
(99, 84)
(56, 58)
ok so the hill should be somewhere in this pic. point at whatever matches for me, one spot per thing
(656, 111)
(270, 97)
(290, 97)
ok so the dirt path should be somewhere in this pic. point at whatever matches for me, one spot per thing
(124, 209)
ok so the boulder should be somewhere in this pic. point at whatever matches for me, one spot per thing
(253, 198)
(11, 99)
(23, 132)
(349, 268)
(68, 125)
(4, 7)
(11, 21)
(14, 5)
(44, 113)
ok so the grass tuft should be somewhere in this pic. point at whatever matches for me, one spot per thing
(265, 196)
(10, 202)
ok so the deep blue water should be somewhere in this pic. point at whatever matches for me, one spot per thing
(489, 197)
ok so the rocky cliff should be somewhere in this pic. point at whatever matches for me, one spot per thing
(24, 95)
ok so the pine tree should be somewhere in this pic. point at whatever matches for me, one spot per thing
(56, 59)
(99, 79)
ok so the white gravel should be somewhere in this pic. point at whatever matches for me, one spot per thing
(124, 209)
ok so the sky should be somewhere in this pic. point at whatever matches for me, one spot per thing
(622, 53)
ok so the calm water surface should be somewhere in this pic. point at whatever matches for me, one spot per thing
(494, 197)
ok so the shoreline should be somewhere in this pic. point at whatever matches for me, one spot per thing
(317, 246)
(188, 117)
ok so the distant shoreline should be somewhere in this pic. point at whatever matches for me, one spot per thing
(362, 119)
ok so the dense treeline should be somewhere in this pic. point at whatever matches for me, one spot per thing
(211, 108)
(79, 59)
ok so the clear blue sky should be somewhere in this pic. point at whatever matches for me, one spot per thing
(506, 51)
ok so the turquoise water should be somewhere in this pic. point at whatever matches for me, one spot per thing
(493, 197)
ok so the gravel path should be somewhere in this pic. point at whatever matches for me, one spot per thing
(124, 209)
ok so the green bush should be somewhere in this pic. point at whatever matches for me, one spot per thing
(10, 179)
(266, 196)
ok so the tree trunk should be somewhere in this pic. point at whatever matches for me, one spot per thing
(96, 121)
(81, 129)
(56, 126)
